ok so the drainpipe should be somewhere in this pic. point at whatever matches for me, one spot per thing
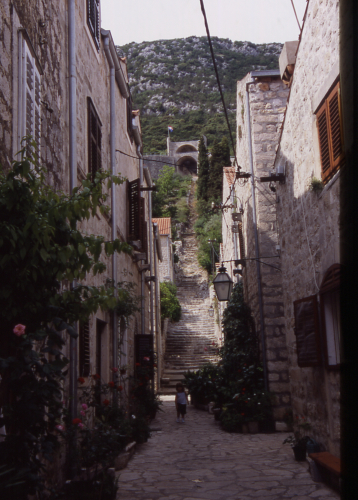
(142, 304)
(157, 318)
(73, 175)
(150, 185)
(254, 222)
(235, 234)
(72, 89)
(113, 190)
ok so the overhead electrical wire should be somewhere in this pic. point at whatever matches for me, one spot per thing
(294, 10)
(218, 79)
(145, 159)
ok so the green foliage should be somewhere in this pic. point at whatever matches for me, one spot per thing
(169, 304)
(203, 171)
(184, 66)
(169, 200)
(236, 383)
(208, 227)
(220, 157)
(40, 248)
(127, 301)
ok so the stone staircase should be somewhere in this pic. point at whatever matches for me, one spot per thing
(191, 342)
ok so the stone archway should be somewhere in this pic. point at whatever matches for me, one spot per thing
(186, 148)
(187, 165)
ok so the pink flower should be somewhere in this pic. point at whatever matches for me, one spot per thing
(114, 370)
(84, 406)
(59, 427)
(19, 330)
(146, 359)
(80, 426)
(205, 348)
(83, 413)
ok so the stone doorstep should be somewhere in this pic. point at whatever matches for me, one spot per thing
(123, 458)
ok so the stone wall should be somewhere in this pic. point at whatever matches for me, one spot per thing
(155, 163)
(166, 265)
(267, 100)
(309, 222)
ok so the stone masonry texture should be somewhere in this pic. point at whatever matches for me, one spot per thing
(267, 98)
(309, 222)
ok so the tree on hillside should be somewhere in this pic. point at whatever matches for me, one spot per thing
(203, 173)
(220, 157)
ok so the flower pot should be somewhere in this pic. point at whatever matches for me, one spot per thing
(300, 453)
(253, 427)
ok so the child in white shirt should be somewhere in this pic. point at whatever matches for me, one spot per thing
(181, 400)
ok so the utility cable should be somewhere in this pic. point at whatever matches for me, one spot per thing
(145, 159)
(294, 10)
(218, 79)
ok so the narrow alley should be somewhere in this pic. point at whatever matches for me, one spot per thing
(199, 461)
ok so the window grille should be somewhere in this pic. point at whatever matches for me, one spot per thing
(329, 124)
(94, 140)
(330, 314)
(84, 348)
(307, 331)
(93, 20)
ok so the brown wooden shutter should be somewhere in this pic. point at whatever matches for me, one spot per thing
(134, 210)
(93, 19)
(241, 241)
(329, 124)
(322, 124)
(335, 127)
(307, 331)
(84, 348)
(94, 141)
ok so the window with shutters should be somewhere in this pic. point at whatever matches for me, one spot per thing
(84, 348)
(241, 241)
(330, 134)
(29, 118)
(330, 315)
(94, 140)
(137, 224)
(93, 22)
(307, 331)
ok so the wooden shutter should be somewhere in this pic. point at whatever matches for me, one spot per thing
(84, 347)
(329, 124)
(93, 19)
(241, 241)
(143, 348)
(307, 331)
(134, 210)
(330, 315)
(94, 141)
(334, 113)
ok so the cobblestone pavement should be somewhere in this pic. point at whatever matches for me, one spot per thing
(199, 461)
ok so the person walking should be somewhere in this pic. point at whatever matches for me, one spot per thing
(181, 400)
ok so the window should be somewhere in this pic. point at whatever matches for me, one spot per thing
(94, 140)
(84, 348)
(137, 224)
(330, 313)
(307, 331)
(29, 117)
(329, 124)
(93, 20)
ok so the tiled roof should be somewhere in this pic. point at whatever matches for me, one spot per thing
(230, 174)
(164, 225)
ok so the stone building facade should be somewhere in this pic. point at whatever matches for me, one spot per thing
(35, 99)
(261, 102)
(310, 156)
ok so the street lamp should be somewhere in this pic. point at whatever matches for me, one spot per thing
(223, 284)
(211, 311)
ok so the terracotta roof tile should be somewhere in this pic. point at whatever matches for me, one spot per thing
(164, 225)
(230, 174)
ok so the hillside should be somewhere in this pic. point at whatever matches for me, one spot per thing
(173, 83)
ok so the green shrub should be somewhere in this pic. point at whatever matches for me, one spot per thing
(169, 303)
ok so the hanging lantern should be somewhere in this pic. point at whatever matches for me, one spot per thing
(211, 311)
(223, 284)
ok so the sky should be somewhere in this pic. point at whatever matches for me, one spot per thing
(257, 21)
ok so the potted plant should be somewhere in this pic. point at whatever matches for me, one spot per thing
(299, 440)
